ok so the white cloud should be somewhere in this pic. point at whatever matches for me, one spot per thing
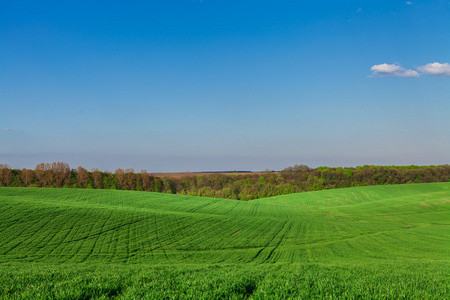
(392, 70)
(385, 69)
(409, 73)
(436, 69)
(408, 2)
(11, 130)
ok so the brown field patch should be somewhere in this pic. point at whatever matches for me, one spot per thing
(237, 231)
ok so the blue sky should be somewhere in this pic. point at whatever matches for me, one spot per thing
(224, 85)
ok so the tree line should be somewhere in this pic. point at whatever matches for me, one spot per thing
(246, 186)
(60, 175)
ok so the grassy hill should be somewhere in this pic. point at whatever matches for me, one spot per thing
(380, 241)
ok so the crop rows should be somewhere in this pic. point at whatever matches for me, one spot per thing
(401, 226)
(106, 226)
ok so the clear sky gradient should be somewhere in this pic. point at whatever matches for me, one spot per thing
(224, 85)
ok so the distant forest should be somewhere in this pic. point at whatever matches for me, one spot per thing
(241, 186)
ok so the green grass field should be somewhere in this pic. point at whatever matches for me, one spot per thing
(368, 242)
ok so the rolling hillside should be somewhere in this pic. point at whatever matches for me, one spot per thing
(404, 225)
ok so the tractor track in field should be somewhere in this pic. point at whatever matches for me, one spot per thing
(199, 207)
(31, 235)
(275, 235)
(158, 237)
(99, 233)
(185, 238)
(49, 239)
(74, 225)
(279, 243)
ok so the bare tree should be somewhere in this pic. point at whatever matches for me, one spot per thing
(120, 178)
(27, 176)
(6, 175)
(44, 174)
(62, 173)
(146, 181)
(130, 178)
(97, 177)
(82, 177)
